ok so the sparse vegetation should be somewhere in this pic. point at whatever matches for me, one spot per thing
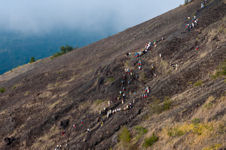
(222, 29)
(198, 129)
(110, 79)
(2, 90)
(196, 121)
(99, 101)
(16, 86)
(209, 103)
(174, 132)
(213, 147)
(190, 83)
(63, 50)
(166, 104)
(148, 142)
(221, 71)
(26, 93)
(222, 129)
(140, 131)
(159, 108)
(198, 83)
(32, 60)
(124, 135)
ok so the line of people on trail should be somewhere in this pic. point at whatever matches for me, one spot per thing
(146, 49)
(130, 75)
(127, 78)
(192, 23)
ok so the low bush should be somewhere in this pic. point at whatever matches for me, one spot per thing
(174, 132)
(110, 79)
(124, 135)
(32, 60)
(140, 131)
(166, 105)
(221, 128)
(159, 108)
(198, 83)
(221, 71)
(63, 50)
(196, 121)
(2, 90)
(148, 142)
(213, 147)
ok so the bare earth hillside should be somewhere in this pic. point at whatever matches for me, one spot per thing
(88, 99)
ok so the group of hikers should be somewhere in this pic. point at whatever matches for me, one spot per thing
(193, 22)
(147, 92)
(146, 49)
(130, 75)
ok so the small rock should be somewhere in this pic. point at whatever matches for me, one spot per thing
(9, 140)
(64, 124)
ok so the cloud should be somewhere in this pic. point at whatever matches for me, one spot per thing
(42, 16)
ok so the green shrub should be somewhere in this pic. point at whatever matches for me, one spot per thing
(190, 83)
(213, 147)
(173, 132)
(124, 135)
(148, 142)
(32, 60)
(166, 105)
(209, 105)
(221, 129)
(221, 71)
(110, 79)
(196, 121)
(159, 108)
(2, 90)
(140, 131)
(63, 50)
(198, 83)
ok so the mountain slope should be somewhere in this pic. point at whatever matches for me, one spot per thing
(54, 102)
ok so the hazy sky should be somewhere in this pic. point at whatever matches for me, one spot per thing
(42, 16)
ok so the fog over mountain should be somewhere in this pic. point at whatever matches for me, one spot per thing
(46, 15)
